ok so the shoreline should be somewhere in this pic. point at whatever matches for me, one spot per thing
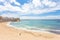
(42, 30)
(23, 28)
(10, 33)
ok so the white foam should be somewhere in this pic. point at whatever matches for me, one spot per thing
(29, 28)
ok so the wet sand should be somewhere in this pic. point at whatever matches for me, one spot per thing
(10, 33)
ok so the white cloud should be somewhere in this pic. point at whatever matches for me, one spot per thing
(9, 7)
(49, 3)
(40, 17)
(14, 1)
(35, 7)
(36, 3)
(31, 17)
(9, 1)
(10, 15)
(2, 0)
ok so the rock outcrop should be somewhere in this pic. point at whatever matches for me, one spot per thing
(9, 19)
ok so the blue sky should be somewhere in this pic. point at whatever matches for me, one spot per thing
(30, 9)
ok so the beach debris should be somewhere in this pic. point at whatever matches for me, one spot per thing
(20, 34)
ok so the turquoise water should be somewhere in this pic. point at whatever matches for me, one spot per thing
(38, 24)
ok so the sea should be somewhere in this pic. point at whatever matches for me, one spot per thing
(38, 24)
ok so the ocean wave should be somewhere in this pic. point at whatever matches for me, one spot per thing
(33, 28)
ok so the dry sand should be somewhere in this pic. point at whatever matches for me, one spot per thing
(10, 33)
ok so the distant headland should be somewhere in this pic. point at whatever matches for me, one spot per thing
(8, 19)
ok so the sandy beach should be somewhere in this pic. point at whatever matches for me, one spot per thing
(10, 33)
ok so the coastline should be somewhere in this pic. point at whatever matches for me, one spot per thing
(27, 29)
(42, 30)
(8, 32)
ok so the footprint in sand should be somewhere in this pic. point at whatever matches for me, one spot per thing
(19, 34)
